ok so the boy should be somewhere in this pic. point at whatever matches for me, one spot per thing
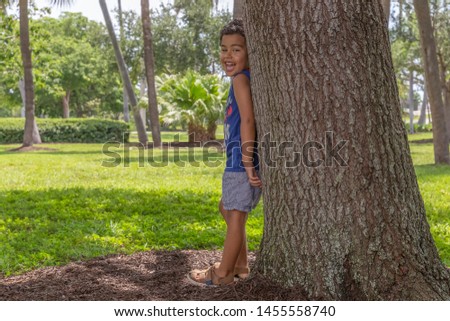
(241, 186)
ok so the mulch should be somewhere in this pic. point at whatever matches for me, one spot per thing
(146, 276)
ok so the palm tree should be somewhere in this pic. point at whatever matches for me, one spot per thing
(31, 132)
(140, 127)
(150, 73)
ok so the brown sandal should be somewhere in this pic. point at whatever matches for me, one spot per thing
(209, 277)
(240, 273)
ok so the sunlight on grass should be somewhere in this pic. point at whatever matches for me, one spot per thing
(61, 205)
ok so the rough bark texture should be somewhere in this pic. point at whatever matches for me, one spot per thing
(386, 9)
(140, 126)
(238, 9)
(31, 132)
(150, 74)
(432, 78)
(351, 228)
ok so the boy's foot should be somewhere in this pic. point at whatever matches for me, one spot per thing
(209, 277)
(239, 272)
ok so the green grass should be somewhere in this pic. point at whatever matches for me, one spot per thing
(63, 205)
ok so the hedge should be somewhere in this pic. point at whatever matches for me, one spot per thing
(72, 130)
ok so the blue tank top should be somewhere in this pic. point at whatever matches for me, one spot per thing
(232, 134)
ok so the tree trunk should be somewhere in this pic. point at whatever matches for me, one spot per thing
(126, 110)
(150, 73)
(411, 102)
(31, 132)
(66, 101)
(431, 67)
(140, 126)
(423, 110)
(238, 9)
(445, 91)
(344, 218)
(387, 9)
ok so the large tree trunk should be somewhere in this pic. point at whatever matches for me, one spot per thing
(126, 110)
(150, 74)
(31, 132)
(432, 78)
(344, 218)
(238, 9)
(140, 126)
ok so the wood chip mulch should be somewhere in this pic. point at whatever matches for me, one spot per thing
(147, 276)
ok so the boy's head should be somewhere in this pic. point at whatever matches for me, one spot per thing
(233, 48)
(235, 26)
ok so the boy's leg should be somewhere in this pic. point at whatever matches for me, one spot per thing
(233, 242)
(242, 260)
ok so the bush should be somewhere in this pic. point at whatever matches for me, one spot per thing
(420, 128)
(72, 130)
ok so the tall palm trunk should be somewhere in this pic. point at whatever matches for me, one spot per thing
(423, 110)
(150, 73)
(432, 78)
(411, 101)
(31, 133)
(140, 127)
(126, 110)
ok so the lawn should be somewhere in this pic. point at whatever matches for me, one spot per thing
(74, 203)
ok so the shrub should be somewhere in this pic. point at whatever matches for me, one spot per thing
(72, 130)
(420, 128)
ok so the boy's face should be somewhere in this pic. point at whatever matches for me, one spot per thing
(233, 54)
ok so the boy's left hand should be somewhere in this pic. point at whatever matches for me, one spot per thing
(253, 178)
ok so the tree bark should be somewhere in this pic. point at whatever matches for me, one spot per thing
(386, 9)
(150, 73)
(140, 126)
(238, 9)
(344, 218)
(31, 132)
(432, 78)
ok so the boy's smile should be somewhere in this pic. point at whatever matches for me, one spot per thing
(233, 54)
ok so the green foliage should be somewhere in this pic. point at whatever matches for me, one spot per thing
(66, 130)
(186, 36)
(420, 128)
(72, 57)
(192, 99)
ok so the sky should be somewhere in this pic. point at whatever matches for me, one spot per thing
(91, 8)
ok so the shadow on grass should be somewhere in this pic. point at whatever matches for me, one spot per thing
(56, 226)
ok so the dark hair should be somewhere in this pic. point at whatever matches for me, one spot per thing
(236, 26)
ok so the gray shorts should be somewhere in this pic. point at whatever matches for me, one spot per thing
(237, 193)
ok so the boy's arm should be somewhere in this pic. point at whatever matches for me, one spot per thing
(242, 93)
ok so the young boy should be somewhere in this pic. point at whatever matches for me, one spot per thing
(241, 186)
